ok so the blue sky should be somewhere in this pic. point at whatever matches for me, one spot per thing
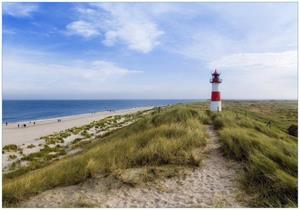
(149, 50)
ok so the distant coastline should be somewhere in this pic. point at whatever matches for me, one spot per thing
(75, 116)
(24, 111)
(12, 134)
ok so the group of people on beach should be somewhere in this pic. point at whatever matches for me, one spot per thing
(22, 125)
(25, 125)
(108, 110)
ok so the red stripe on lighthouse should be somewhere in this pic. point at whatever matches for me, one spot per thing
(215, 96)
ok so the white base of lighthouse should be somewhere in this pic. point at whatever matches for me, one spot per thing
(215, 106)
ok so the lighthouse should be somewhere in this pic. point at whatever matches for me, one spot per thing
(215, 104)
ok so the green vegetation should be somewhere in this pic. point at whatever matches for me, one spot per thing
(56, 138)
(161, 139)
(15, 164)
(10, 148)
(36, 160)
(57, 141)
(293, 130)
(262, 136)
(77, 140)
(31, 146)
(269, 153)
(12, 157)
(85, 134)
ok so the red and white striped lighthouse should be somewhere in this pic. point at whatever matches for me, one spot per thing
(215, 104)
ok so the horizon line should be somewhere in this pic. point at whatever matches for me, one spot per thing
(94, 99)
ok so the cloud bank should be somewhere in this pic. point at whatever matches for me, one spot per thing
(33, 72)
(117, 23)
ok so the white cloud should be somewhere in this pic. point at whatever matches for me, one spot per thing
(139, 36)
(259, 75)
(19, 9)
(119, 24)
(101, 68)
(258, 61)
(237, 28)
(82, 28)
(26, 72)
(131, 26)
(205, 45)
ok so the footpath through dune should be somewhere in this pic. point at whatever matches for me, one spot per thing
(213, 184)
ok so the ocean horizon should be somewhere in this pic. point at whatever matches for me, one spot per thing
(29, 110)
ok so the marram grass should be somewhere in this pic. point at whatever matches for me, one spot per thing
(167, 137)
(268, 153)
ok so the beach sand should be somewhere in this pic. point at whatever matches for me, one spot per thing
(14, 135)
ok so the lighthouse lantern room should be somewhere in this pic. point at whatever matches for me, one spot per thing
(215, 104)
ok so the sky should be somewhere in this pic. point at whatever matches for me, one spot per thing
(149, 50)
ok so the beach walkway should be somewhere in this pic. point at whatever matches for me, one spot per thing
(213, 184)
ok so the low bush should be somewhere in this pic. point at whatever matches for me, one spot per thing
(10, 148)
(31, 146)
(12, 157)
(293, 130)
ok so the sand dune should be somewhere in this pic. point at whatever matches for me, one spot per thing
(214, 184)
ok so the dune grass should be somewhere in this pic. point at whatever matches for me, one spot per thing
(166, 137)
(10, 148)
(169, 136)
(268, 153)
(55, 146)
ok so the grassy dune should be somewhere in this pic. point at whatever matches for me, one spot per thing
(268, 153)
(169, 136)
(166, 137)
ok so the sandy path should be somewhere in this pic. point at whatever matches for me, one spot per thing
(214, 184)
(14, 135)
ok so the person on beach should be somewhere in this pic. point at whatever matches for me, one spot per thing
(18, 126)
(33, 123)
(6, 123)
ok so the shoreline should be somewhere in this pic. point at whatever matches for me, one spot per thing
(26, 118)
(13, 135)
(73, 116)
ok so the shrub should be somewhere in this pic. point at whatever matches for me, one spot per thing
(30, 146)
(10, 148)
(12, 157)
(218, 123)
(293, 130)
(85, 134)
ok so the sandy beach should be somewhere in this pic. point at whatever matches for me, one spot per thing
(14, 135)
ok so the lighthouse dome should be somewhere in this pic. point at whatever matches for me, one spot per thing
(215, 77)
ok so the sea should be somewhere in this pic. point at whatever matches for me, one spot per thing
(29, 110)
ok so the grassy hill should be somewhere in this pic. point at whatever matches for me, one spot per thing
(257, 135)
(167, 138)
